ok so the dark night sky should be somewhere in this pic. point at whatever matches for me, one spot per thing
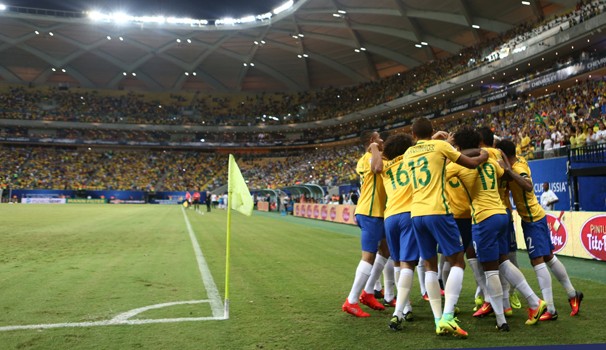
(208, 9)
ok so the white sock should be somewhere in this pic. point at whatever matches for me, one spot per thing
(441, 262)
(478, 274)
(445, 272)
(494, 289)
(433, 292)
(506, 286)
(396, 272)
(452, 289)
(559, 271)
(362, 274)
(421, 275)
(377, 270)
(517, 280)
(544, 279)
(378, 285)
(388, 280)
(404, 286)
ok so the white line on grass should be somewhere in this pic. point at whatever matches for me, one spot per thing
(124, 318)
(209, 284)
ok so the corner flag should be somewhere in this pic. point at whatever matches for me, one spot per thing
(238, 198)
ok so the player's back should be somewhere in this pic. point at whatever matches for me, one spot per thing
(482, 186)
(398, 187)
(426, 164)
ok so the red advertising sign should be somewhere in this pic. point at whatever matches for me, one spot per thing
(559, 235)
(593, 236)
(333, 213)
(324, 212)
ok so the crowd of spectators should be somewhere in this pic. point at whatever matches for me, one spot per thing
(268, 108)
(80, 169)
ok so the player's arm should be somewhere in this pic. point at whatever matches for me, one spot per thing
(376, 160)
(472, 162)
(521, 179)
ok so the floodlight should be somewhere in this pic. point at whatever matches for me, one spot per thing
(418, 45)
(423, 43)
(526, 3)
(120, 17)
(247, 19)
(475, 26)
(2, 7)
(226, 21)
(285, 6)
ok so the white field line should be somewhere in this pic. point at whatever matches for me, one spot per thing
(209, 283)
(124, 318)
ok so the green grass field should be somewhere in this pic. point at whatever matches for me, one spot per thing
(79, 266)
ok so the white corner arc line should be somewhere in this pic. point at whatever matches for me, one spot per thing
(209, 283)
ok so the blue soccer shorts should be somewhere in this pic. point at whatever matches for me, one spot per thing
(373, 232)
(400, 238)
(490, 239)
(538, 238)
(433, 230)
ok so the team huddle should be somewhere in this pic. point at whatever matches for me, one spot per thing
(449, 194)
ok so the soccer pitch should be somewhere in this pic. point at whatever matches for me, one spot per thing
(153, 277)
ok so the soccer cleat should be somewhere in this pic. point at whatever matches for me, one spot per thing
(508, 312)
(485, 310)
(370, 301)
(409, 317)
(391, 303)
(379, 294)
(395, 323)
(451, 327)
(549, 316)
(425, 297)
(535, 314)
(575, 303)
(479, 301)
(354, 309)
(441, 292)
(514, 300)
(503, 328)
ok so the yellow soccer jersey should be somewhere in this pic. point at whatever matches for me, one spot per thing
(527, 205)
(372, 194)
(503, 192)
(426, 165)
(482, 187)
(457, 197)
(396, 182)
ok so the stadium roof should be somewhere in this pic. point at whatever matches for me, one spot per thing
(313, 44)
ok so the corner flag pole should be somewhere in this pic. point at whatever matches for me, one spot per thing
(227, 243)
(238, 198)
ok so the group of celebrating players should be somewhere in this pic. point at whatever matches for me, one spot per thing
(440, 193)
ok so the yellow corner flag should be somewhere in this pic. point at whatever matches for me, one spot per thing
(240, 200)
